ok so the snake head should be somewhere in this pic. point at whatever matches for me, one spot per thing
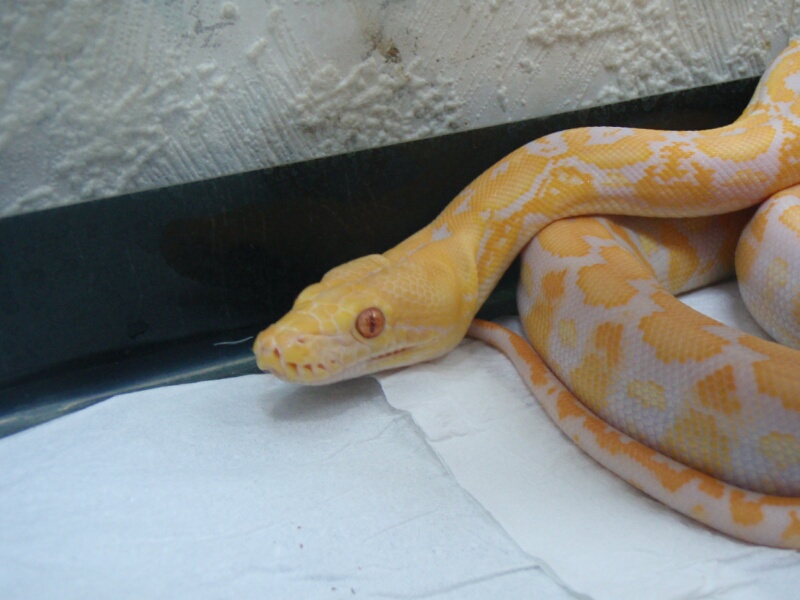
(366, 316)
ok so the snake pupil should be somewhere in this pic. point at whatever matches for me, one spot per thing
(370, 322)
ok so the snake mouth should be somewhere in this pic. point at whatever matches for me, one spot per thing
(390, 354)
(333, 371)
(274, 360)
(321, 373)
(304, 372)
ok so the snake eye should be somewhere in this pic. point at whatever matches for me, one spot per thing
(370, 322)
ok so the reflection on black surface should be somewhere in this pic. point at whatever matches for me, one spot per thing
(87, 291)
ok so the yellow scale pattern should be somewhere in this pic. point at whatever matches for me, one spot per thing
(699, 416)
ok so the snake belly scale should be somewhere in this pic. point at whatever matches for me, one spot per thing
(613, 222)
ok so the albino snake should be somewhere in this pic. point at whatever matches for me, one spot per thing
(699, 416)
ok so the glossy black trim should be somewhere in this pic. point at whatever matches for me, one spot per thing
(131, 292)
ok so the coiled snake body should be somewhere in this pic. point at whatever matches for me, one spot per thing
(702, 417)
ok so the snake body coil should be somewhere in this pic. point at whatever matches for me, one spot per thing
(702, 417)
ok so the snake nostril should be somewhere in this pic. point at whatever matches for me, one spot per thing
(276, 353)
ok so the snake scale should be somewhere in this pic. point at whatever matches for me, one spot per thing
(613, 222)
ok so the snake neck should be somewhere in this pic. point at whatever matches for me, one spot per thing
(622, 171)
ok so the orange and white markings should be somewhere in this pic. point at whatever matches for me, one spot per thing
(770, 277)
(663, 374)
(702, 417)
(755, 517)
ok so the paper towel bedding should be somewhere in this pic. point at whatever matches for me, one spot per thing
(458, 487)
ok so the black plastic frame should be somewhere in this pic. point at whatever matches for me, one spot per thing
(151, 288)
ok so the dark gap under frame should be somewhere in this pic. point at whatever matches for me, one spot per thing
(168, 286)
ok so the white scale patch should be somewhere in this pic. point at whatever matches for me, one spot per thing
(464, 205)
(440, 233)
(739, 131)
(793, 82)
(500, 169)
(548, 146)
(607, 135)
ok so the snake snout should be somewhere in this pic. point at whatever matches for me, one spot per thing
(269, 349)
(288, 356)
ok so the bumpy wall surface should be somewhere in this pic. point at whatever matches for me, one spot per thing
(103, 97)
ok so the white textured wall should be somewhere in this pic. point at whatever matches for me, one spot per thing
(102, 97)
